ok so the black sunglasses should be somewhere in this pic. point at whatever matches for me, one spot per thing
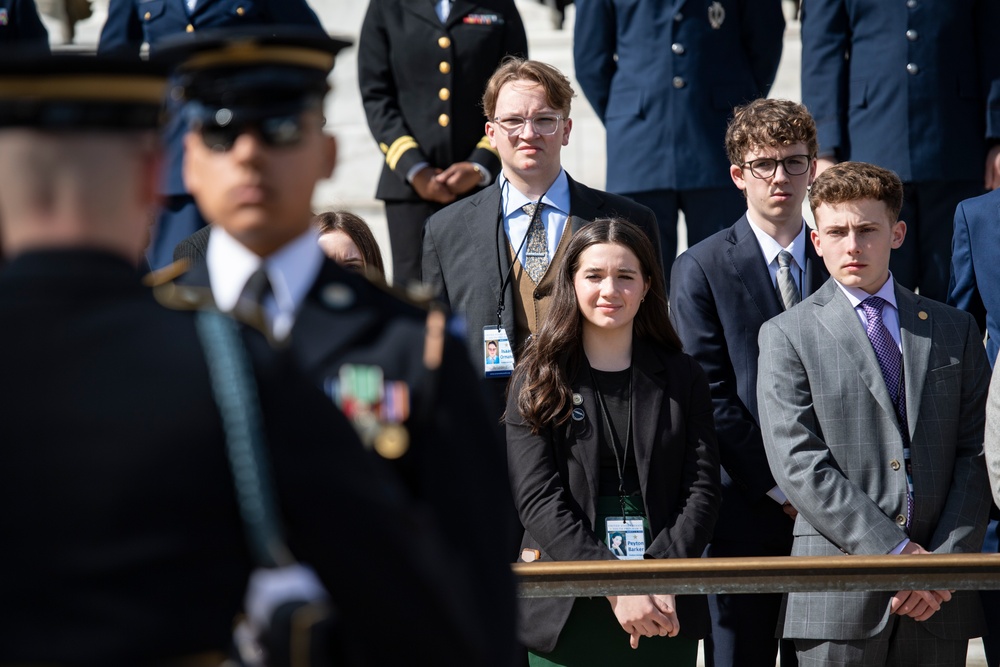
(275, 132)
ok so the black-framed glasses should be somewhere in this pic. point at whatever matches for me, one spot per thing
(544, 124)
(276, 132)
(794, 165)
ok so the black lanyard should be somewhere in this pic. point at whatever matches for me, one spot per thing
(619, 463)
(501, 241)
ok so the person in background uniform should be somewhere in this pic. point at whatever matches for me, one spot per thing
(723, 290)
(388, 364)
(422, 68)
(663, 77)
(124, 540)
(475, 251)
(872, 406)
(912, 86)
(21, 26)
(132, 23)
(975, 288)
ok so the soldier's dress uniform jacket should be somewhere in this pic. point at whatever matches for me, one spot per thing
(422, 82)
(123, 538)
(19, 21)
(453, 466)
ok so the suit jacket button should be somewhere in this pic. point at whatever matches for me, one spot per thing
(444, 67)
(912, 35)
(240, 11)
(444, 42)
(894, 464)
(912, 68)
(679, 82)
(677, 48)
(190, 28)
(900, 519)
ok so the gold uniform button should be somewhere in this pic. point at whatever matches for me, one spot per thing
(922, 315)
(444, 42)
(147, 16)
(443, 120)
(240, 11)
(445, 67)
(894, 464)
(190, 28)
(444, 94)
(900, 520)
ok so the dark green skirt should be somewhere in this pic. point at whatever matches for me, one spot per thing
(593, 636)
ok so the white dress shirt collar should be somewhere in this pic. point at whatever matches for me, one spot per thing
(291, 271)
(770, 248)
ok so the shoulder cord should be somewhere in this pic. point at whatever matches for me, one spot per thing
(236, 394)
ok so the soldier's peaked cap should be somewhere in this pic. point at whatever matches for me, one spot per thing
(78, 92)
(257, 69)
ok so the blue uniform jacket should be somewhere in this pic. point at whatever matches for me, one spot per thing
(664, 81)
(975, 265)
(132, 22)
(905, 84)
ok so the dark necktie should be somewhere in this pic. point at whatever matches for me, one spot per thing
(787, 291)
(536, 256)
(250, 306)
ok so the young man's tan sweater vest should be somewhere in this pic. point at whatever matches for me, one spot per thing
(531, 301)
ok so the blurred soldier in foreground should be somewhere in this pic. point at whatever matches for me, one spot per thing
(254, 151)
(123, 542)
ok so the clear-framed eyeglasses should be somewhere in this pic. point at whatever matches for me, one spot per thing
(794, 165)
(544, 124)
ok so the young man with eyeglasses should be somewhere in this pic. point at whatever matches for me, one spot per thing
(721, 291)
(480, 254)
(254, 150)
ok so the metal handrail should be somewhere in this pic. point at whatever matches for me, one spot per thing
(785, 574)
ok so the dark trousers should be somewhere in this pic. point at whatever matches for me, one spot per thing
(705, 212)
(178, 219)
(902, 643)
(406, 230)
(923, 262)
(745, 626)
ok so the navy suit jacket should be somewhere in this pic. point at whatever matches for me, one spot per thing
(720, 295)
(21, 24)
(918, 86)
(975, 265)
(134, 22)
(665, 82)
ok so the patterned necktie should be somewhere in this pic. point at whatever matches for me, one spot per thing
(250, 306)
(890, 359)
(536, 256)
(787, 291)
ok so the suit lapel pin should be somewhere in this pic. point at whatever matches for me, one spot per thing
(337, 296)
(577, 399)
(578, 414)
(922, 314)
(716, 15)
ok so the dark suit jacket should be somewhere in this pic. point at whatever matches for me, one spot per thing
(720, 295)
(555, 479)
(453, 469)
(463, 245)
(975, 265)
(915, 94)
(125, 542)
(665, 82)
(132, 22)
(403, 53)
(835, 446)
(22, 26)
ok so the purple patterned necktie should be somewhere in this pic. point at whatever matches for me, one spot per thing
(890, 360)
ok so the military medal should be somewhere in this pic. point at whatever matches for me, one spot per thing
(375, 407)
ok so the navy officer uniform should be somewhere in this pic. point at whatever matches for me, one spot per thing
(664, 78)
(131, 23)
(351, 337)
(123, 538)
(908, 85)
(20, 22)
(422, 79)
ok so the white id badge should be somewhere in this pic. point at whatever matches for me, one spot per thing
(498, 358)
(626, 538)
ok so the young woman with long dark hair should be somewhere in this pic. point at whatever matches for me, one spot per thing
(610, 430)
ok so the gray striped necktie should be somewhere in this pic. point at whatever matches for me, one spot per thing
(787, 291)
